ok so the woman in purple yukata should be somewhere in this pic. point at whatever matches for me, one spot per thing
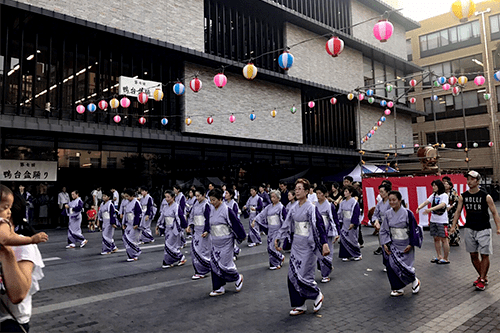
(107, 217)
(332, 225)
(199, 226)
(309, 242)
(180, 199)
(190, 201)
(349, 219)
(382, 207)
(173, 221)
(272, 218)
(231, 204)
(266, 200)
(148, 213)
(251, 209)
(74, 212)
(225, 227)
(399, 234)
(132, 214)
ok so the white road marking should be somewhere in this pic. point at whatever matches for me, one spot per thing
(51, 259)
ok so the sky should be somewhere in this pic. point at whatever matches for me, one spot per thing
(422, 9)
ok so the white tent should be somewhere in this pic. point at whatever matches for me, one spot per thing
(367, 168)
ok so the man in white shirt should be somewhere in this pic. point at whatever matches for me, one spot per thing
(62, 199)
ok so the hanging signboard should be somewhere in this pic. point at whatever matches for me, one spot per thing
(130, 86)
(28, 171)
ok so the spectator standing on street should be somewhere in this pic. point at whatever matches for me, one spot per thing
(284, 193)
(62, 199)
(107, 217)
(74, 212)
(92, 217)
(335, 195)
(42, 202)
(453, 238)
(477, 234)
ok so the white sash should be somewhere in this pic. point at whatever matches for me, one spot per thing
(199, 220)
(144, 208)
(347, 214)
(219, 230)
(130, 217)
(302, 228)
(399, 233)
(273, 220)
(106, 216)
(169, 220)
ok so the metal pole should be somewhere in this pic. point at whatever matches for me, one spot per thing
(465, 131)
(432, 109)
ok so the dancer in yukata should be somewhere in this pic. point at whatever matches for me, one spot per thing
(199, 226)
(132, 214)
(173, 221)
(272, 218)
(349, 219)
(74, 212)
(266, 200)
(180, 199)
(287, 245)
(148, 213)
(332, 225)
(189, 207)
(251, 209)
(231, 204)
(382, 207)
(399, 234)
(225, 227)
(107, 217)
(309, 242)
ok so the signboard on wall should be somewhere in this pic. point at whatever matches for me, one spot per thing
(130, 86)
(28, 171)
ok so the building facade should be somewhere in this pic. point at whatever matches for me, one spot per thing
(55, 56)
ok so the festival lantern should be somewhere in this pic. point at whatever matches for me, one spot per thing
(403, 146)
(441, 80)
(220, 80)
(362, 140)
(459, 145)
(496, 76)
(179, 89)
(361, 97)
(442, 145)
(383, 103)
(125, 102)
(379, 122)
(490, 144)
(250, 71)
(210, 120)
(462, 80)
(463, 9)
(142, 120)
(455, 91)
(390, 104)
(80, 109)
(285, 60)
(188, 121)
(333, 101)
(369, 135)
(334, 46)
(487, 96)
(158, 95)
(387, 112)
(371, 100)
(350, 96)
(434, 98)
(475, 145)
(117, 119)
(383, 30)
(375, 128)
(143, 98)
(366, 138)
(452, 80)
(293, 109)
(273, 113)
(413, 83)
(164, 121)
(436, 84)
(252, 116)
(311, 104)
(382, 119)
(413, 100)
(195, 84)
(114, 103)
(389, 88)
(369, 92)
(446, 86)
(103, 105)
(479, 80)
(416, 145)
(232, 118)
(372, 132)
(91, 107)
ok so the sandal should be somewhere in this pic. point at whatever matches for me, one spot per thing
(443, 262)
(435, 260)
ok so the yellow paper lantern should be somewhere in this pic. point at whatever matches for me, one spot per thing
(462, 80)
(463, 9)
(188, 121)
(114, 103)
(350, 96)
(273, 113)
(158, 95)
(250, 71)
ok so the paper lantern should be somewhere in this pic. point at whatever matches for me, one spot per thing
(496, 76)
(434, 98)
(142, 120)
(490, 144)
(350, 96)
(390, 146)
(143, 98)
(333, 101)
(117, 119)
(195, 84)
(390, 104)
(383, 103)
(443, 145)
(416, 145)
(446, 86)
(383, 30)
(103, 105)
(80, 109)
(371, 100)
(462, 80)
(164, 121)
(375, 128)
(413, 100)
(273, 113)
(387, 112)
(475, 145)
(311, 104)
(125, 102)
(188, 121)
(382, 119)
(441, 80)
(293, 109)
(220, 80)
(210, 120)
(455, 91)
(91, 107)
(158, 95)
(250, 71)
(252, 116)
(363, 140)
(436, 84)
(369, 135)
(179, 89)
(463, 9)
(379, 122)
(452, 80)
(403, 146)
(361, 97)
(487, 96)
(413, 82)
(372, 132)
(459, 145)
(114, 103)
(285, 60)
(389, 88)
(366, 138)
(479, 80)
(334, 46)
(232, 118)
(369, 92)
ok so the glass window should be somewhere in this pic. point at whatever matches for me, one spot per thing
(389, 74)
(475, 29)
(409, 50)
(464, 32)
(444, 38)
(494, 26)
(433, 41)
(437, 69)
(447, 69)
(367, 71)
(470, 99)
(423, 43)
(452, 35)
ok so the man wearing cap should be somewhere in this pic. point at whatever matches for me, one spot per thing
(477, 226)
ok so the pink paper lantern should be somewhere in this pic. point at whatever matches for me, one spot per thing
(390, 104)
(372, 132)
(125, 102)
(452, 80)
(383, 30)
(117, 119)
(446, 86)
(490, 144)
(143, 98)
(361, 97)
(333, 101)
(142, 120)
(479, 80)
(210, 120)
(413, 82)
(311, 104)
(459, 145)
(387, 112)
(195, 84)
(220, 80)
(232, 118)
(416, 145)
(334, 46)
(80, 109)
(413, 100)
(103, 105)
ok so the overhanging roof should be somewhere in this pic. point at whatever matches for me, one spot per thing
(382, 7)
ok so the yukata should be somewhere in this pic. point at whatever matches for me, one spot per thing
(266, 199)
(254, 206)
(287, 244)
(234, 206)
(308, 227)
(189, 205)
(148, 209)
(199, 221)
(349, 214)
(399, 230)
(74, 212)
(180, 199)
(161, 229)
(107, 216)
(271, 218)
(121, 211)
(379, 214)
(332, 225)
(173, 221)
(225, 227)
(132, 215)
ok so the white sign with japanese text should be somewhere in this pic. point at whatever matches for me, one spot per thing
(132, 87)
(28, 171)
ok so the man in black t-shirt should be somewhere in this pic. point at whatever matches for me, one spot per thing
(477, 226)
